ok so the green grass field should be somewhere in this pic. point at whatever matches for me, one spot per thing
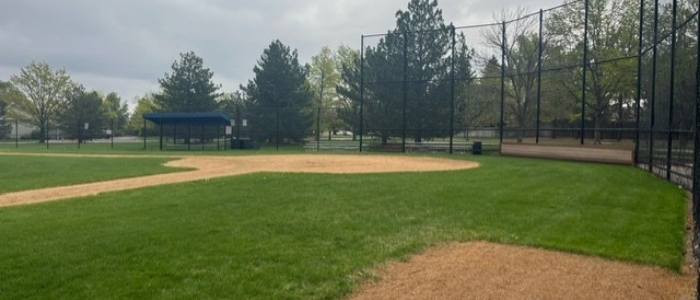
(32, 172)
(315, 236)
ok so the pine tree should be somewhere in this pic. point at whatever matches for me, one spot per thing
(279, 98)
(189, 88)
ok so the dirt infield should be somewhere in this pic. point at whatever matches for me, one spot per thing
(474, 270)
(219, 166)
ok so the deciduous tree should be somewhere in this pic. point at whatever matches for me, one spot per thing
(44, 92)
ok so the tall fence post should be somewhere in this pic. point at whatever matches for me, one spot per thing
(539, 80)
(452, 91)
(277, 130)
(653, 86)
(318, 128)
(696, 158)
(112, 131)
(638, 100)
(46, 135)
(405, 89)
(503, 79)
(16, 133)
(672, 93)
(585, 71)
(143, 131)
(362, 86)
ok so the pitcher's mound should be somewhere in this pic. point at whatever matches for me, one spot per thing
(480, 270)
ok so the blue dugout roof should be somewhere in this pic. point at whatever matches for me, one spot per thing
(189, 118)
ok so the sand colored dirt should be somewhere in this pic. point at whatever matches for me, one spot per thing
(474, 270)
(207, 167)
(479, 270)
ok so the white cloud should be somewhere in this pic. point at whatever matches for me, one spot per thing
(125, 46)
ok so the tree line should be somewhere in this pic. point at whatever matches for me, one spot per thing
(421, 79)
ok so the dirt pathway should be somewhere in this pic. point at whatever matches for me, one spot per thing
(221, 166)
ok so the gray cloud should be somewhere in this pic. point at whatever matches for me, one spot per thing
(126, 45)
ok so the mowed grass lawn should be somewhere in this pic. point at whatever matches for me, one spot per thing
(18, 172)
(315, 236)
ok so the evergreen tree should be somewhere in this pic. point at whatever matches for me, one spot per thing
(82, 116)
(420, 47)
(189, 88)
(279, 98)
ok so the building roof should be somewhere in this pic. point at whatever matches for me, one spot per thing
(189, 118)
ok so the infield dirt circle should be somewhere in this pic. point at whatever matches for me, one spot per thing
(473, 270)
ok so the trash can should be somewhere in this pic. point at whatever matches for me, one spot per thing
(476, 148)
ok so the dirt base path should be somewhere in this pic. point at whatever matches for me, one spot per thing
(218, 166)
(475, 270)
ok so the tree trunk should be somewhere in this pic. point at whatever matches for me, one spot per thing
(42, 131)
(419, 136)
(596, 121)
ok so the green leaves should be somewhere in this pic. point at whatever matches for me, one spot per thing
(189, 88)
(279, 97)
(44, 92)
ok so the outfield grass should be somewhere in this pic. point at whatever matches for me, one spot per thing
(314, 236)
(31, 172)
(137, 148)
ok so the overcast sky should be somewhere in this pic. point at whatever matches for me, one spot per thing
(125, 46)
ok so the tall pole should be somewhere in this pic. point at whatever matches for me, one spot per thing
(238, 123)
(671, 92)
(405, 89)
(277, 130)
(638, 99)
(653, 86)
(318, 129)
(452, 93)
(16, 133)
(143, 131)
(696, 158)
(112, 130)
(539, 81)
(362, 86)
(585, 71)
(503, 78)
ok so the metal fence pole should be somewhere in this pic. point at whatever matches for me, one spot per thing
(143, 131)
(452, 92)
(539, 80)
(585, 71)
(362, 86)
(277, 130)
(16, 133)
(112, 130)
(669, 143)
(696, 158)
(503, 79)
(318, 126)
(405, 89)
(653, 87)
(638, 100)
